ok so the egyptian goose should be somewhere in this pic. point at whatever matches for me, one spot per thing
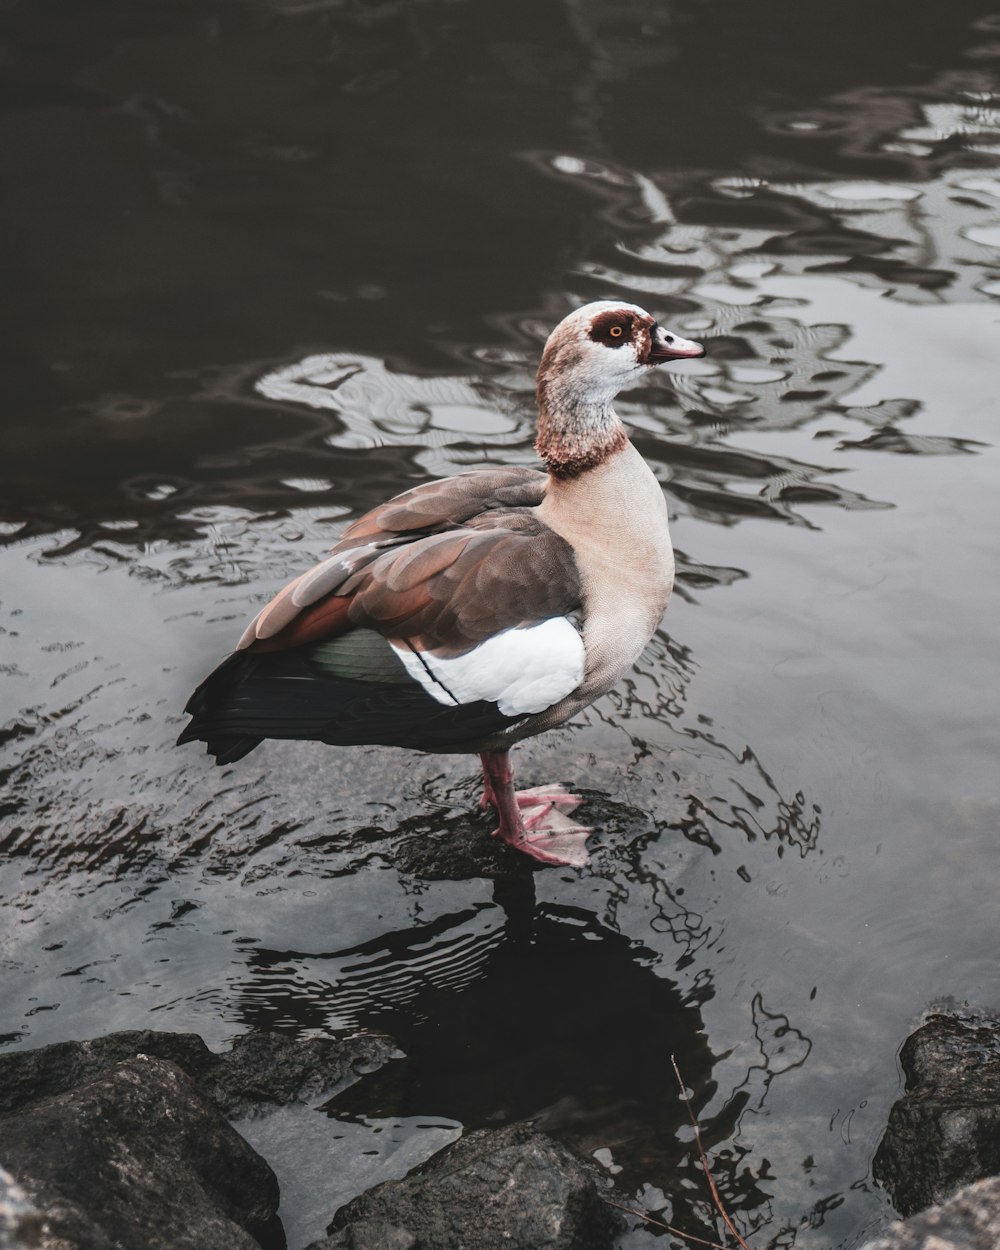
(471, 612)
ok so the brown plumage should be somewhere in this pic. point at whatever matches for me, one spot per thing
(443, 567)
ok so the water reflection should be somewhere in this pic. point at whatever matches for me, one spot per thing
(516, 1010)
(345, 426)
(350, 426)
(891, 438)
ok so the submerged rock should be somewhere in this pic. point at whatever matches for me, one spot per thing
(968, 1221)
(457, 848)
(368, 1235)
(511, 1187)
(138, 1157)
(945, 1131)
(260, 1070)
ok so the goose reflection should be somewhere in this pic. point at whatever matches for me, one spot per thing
(508, 1011)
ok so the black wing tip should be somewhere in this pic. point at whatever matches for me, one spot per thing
(229, 750)
(225, 750)
(283, 694)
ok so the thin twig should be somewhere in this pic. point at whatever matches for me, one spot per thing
(704, 1162)
(651, 1219)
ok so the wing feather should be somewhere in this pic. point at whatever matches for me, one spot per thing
(444, 567)
(421, 561)
(325, 619)
(278, 613)
(450, 501)
(328, 575)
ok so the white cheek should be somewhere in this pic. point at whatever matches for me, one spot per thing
(521, 670)
(606, 368)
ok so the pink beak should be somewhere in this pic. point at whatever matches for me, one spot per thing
(665, 345)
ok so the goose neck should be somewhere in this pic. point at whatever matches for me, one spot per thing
(576, 434)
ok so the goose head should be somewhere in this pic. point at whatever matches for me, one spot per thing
(589, 357)
(602, 347)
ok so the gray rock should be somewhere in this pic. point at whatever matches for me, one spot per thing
(368, 1235)
(21, 1226)
(945, 1132)
(261, 1069)
(139, 1158)
(968, 1221)
(267, 1069)
(513, 1188)
(456, 849)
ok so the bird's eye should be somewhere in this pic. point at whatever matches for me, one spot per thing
(616, 332)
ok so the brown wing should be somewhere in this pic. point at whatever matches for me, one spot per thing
(444, 566)
(448, 501)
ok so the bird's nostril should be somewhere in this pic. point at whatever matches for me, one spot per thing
(669, 338)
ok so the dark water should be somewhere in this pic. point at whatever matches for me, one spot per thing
(268, 261)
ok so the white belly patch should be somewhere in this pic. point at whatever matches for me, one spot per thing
(520, 670)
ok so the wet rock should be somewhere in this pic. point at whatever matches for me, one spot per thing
(267, 1069)
(261, 1069)
(511, 1187)
(368, 1235)
(945, 1131)
(456, 849)
(139, 1158)
(968, 1221)
(21, 1226)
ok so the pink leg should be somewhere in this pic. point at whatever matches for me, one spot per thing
(533, 821)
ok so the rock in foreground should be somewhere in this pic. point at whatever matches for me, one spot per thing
(117, 1146)
(511, 1187)
(945, 1131)
(968, 1221)
(138, 1158)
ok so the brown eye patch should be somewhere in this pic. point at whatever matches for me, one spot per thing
(612, 328)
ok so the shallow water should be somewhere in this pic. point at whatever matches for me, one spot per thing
(271, 260)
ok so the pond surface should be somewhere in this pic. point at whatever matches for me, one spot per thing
(270, 261)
